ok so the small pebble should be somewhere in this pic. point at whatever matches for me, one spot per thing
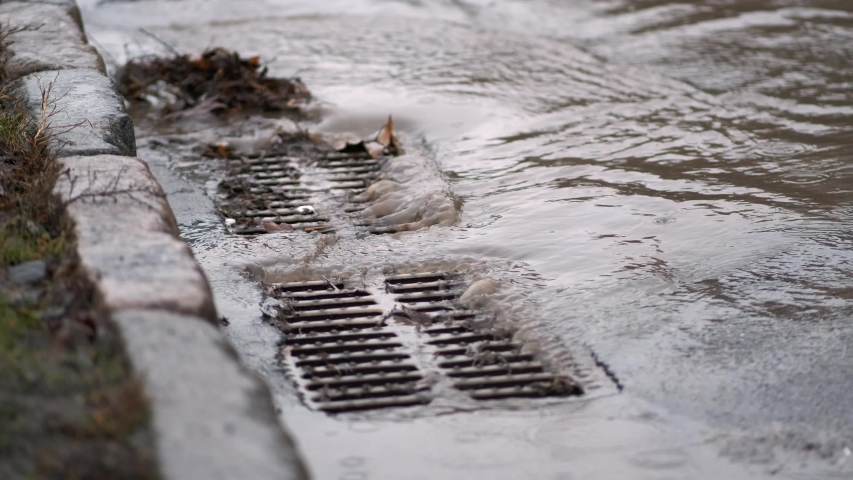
(29, 272)
(33, 227)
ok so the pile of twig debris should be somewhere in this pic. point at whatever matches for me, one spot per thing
(218, 81)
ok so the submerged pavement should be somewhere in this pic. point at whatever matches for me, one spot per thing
(663, 183)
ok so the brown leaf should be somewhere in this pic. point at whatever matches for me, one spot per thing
(222, 149)
(201, 64)
(272, 227)
(386, 135)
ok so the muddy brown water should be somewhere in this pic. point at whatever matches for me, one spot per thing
(665, 183)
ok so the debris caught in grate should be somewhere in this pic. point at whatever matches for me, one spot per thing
(345, 353)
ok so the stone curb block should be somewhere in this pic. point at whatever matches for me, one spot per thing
(88, 116)
(68, 3)
(214, 419)
(127, 238)
(53, 39)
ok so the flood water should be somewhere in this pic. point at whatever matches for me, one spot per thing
(667, 184)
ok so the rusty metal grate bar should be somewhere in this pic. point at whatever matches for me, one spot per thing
(355, 405)
(353, 358)
(318, 286)
(463, 361)
(425, 277)
(329, 326)
(340, 302)
(337, 337)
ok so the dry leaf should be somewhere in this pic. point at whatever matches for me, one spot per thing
(386, 135)
(374, 149)
(383, 142)
(222, 149)
(272, 227)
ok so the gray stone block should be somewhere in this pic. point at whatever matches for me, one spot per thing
(28, 272)
(69, 3)
(53, 39)
(88, 116)
(212, 418)
(127, 238)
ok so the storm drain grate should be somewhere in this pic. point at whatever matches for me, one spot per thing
(345, 353)
(354, 173)
(265, 190)
(342, 355)
(484, 362)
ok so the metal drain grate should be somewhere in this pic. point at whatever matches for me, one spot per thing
(345, 353)
(354, 173)
(271, 189)
(342, 355)
(483, 362)
(265, 190)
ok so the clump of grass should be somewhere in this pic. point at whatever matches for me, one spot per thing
(28, 171)
(19, 245)
(118, 411)
(70, 404)
(14, 321)
(28, 209)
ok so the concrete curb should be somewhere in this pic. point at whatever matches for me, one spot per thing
(127, 238)
(212, 418)
(88, 116)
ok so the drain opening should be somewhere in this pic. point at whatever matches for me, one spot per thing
(346, 353)
(268, 194)
(356, 174)
(483, 362)
(263, 194)
(341, 354)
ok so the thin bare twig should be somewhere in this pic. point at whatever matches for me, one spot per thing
(103, 50)
(110, 190)
(161, 42)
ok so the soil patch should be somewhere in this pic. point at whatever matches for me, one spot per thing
(70, 406)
